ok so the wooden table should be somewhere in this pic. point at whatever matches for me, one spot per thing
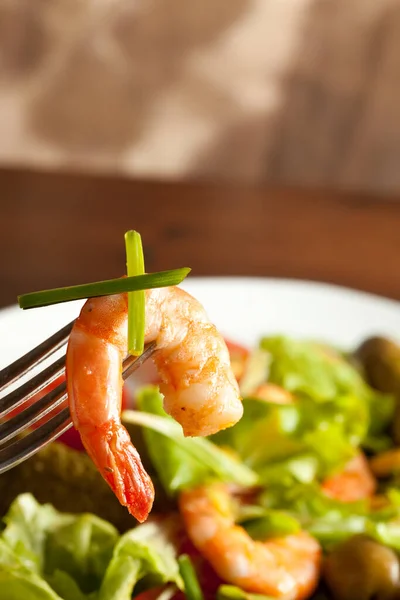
(60, 229)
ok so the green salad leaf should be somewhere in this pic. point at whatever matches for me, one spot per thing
(182, 462)
(144, 551)
(47, 555)
(66, 587)
(19, 581)
(302, 366)
(322, 373)
(273, 523)
(83, 547)
(334, 412)
(296, 442)
(26, 525)
(332, 521)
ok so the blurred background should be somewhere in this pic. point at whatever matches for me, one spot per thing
(284, 91)
(275, 123)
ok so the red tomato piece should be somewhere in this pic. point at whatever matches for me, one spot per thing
(239, 355)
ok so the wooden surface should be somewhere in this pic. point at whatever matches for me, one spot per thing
(305, 92)
(62, 229)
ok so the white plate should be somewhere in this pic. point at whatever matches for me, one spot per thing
(243, 309)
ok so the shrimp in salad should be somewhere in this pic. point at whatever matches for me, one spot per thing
(354, 482)
(200, 390)
(285, 567)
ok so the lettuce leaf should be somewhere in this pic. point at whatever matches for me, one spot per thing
(49, 555)
(182, 462)
(19, 581)
(333, 413)
(144, 551)
(47, 541)
(306, 367)
(322, 373)
(332, 521)
(82, 548)
(298, 442)
(274, 523)
(66, 587)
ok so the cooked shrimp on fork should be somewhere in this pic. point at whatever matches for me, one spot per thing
(199, 387)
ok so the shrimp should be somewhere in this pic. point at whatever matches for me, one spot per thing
(285, 567)
(200, 390)
(355, 482)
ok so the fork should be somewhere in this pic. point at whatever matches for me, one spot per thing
(16, 451)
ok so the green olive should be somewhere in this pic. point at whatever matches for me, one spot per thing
(380, 359)
(362, 569)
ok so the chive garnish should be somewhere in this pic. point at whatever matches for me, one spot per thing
(103, 288)
(136, 300)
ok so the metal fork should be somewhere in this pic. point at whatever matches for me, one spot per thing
(16, 451)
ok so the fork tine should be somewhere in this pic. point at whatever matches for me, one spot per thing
(25, 392)
(18, 451)
(132, 363)
(22, 449)
(33, 358)
(35, 385)
(33, 413)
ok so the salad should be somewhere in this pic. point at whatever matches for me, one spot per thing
(299, 499)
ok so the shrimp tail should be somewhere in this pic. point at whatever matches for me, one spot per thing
(111, 449)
